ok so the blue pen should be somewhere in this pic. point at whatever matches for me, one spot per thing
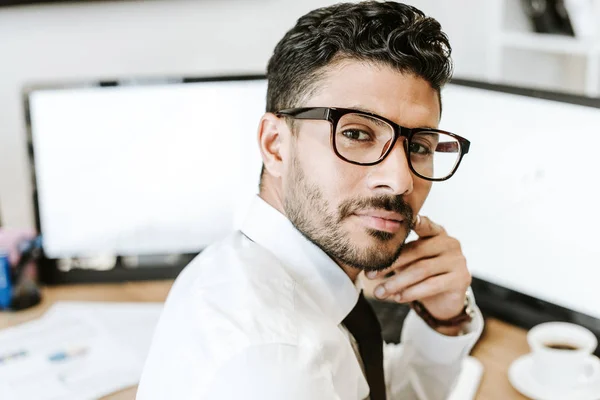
(5, 281)
(64, 355)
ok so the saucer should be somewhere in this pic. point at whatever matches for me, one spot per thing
(519, 375)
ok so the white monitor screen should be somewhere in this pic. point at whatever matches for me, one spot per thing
(145, 169)
(525, 202)
(169, 169)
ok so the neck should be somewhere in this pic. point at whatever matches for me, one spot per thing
(350, 271)
(270, 193)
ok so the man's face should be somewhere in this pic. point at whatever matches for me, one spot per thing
(359, 215)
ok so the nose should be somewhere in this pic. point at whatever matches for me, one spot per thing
(392, 175)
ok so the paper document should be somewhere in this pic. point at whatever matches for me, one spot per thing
(130, 324)
(77, 351)
(63, 357)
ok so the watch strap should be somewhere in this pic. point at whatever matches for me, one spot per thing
(466, 315)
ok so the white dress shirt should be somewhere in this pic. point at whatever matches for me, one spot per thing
(258, 316)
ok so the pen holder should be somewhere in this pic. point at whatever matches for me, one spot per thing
(18, 274)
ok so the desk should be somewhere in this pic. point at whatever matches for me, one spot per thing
(499, 346)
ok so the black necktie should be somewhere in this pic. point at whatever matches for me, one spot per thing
(364, 326)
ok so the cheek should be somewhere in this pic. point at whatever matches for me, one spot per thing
(336, 178)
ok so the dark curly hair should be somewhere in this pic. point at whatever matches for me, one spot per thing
(387, 33)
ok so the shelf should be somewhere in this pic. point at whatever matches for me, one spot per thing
(558, 44)
(548, 61)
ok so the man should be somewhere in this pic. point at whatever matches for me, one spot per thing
(350, 152)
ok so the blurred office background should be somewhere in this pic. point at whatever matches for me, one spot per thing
(71, 41)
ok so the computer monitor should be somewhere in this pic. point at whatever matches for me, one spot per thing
(135, 168)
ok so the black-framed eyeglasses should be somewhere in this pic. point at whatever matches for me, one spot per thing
(364, 138)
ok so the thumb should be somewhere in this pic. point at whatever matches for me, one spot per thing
(424, 227)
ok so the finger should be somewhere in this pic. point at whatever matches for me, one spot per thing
(428, 288)
(422, 248)
(414, 251)
(424, 227)
(413, 274)
(380, 274)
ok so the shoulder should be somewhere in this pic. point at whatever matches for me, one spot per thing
(235, 305)
(234, 260)
(235, 291)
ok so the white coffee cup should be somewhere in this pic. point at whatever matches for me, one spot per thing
(563, 368)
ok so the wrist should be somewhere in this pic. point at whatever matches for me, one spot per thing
(451, 326)
(450, 330)
(448, 313)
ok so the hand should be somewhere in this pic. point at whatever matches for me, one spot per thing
(431, 269)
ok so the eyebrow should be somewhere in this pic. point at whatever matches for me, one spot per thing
(358, 107)
(432, 134)
(375, 121)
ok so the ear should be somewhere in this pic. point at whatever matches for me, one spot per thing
(272, 134)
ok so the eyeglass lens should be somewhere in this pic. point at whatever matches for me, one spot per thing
(364, 139)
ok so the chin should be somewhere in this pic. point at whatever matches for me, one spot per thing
(372, 249)
(379, 241)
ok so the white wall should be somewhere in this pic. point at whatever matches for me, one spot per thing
(161, 37)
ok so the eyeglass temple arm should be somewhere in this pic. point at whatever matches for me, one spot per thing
(306, 113)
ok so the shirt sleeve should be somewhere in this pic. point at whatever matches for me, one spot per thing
(272, 372)
(426, 364)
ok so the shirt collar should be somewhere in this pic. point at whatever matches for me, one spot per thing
(310, 266)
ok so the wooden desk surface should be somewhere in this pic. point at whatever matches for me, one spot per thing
(500, 345)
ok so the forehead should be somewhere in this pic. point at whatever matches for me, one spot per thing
(401, 97)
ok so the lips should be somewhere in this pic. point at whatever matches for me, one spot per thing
(382, 214)
(380, 220)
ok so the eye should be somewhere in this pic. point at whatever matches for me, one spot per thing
(420, 149)
(356, 134)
